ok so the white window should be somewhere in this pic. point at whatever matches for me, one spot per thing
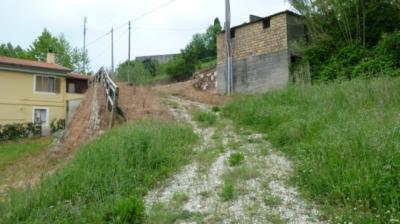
(46, 84)
(41, 116)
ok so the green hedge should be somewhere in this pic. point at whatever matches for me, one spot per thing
(22, 130)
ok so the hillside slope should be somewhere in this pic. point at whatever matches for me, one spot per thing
(344, 138)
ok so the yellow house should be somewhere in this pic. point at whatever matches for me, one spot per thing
(33, 91)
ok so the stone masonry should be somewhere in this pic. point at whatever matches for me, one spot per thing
(262, 53)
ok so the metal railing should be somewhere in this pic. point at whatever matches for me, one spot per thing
(112, 92)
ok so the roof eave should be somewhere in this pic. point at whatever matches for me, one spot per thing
(34, 70)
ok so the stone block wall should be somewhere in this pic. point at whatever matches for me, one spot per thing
(253, 39)
(261, 56)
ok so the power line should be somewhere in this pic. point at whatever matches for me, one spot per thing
(153, 10)
(97, 39)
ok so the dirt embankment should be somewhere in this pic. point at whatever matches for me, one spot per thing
(140, 101)
(187, 91)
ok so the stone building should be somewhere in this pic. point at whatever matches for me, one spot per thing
(262, 52)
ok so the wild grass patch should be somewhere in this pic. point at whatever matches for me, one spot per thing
(106, 181)
(236, 159)
(205, 118)
(344, 138)
(228, 192)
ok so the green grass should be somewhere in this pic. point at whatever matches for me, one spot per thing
(228, 192)
(236, 159)
(11, 152)
(108, 178)
(344, 139)
(205, 117)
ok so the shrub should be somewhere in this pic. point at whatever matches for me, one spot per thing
(235, 159)
(180, 69)
(56, 125)
(20, 130)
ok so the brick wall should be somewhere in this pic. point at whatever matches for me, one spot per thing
(253, 39)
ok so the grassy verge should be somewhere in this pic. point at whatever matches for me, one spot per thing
(106, 181)
(11, 152)
(344, 139)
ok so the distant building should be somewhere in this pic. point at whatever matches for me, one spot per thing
(262, 52)
(159, 58)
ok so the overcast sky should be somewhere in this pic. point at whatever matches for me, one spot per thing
(164, 31)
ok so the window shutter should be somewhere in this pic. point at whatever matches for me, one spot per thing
(58, 85)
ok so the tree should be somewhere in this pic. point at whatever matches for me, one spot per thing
(211, 38)
(9, 50)
(139, 73)
(350, 21)
(150, 65)
(67, 56)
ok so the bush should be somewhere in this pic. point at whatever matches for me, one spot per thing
(56, 125)
(22, 130)
(180, 69)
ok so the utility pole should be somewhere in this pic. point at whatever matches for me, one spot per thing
(129, 53)
(228, 46)
(84, 46)
(112, 51)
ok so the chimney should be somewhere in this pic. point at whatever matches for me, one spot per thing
(51, 57)
(254, 18)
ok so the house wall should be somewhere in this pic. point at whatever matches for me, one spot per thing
(18, 98)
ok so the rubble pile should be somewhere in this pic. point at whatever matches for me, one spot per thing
(206, 80)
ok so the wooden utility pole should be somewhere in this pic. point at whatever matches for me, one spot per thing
(228, 48)
(129, 53)
(112, 51)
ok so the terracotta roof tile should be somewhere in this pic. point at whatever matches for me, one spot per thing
(75, 75)
(32, 64)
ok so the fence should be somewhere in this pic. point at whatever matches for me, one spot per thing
(112, 92)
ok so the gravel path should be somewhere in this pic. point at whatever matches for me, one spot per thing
(261, 193)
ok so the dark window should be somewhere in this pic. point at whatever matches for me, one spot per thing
(266, 23)
(233, 33)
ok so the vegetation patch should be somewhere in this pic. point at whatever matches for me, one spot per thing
(344, 138)
(228, 192)
(108, 177)
(236, 159)
(204, 117)
(12, 151)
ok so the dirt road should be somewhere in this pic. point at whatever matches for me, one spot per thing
(210, 190)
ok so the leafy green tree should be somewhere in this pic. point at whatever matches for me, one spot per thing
(67, 56)
(9, 50)
(211, 38)
(202, 47)
(150, 65)
(345, 32)
(139, 74)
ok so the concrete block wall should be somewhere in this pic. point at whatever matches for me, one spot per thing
(257, 74)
